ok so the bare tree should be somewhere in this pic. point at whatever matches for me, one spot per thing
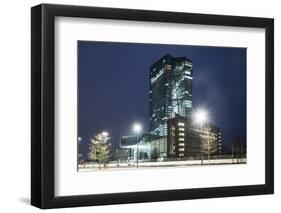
(208, 142)
(99, 149)
(238, 148)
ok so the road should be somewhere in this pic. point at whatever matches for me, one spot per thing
(149, 165)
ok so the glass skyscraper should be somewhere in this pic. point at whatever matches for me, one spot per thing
(170, 91)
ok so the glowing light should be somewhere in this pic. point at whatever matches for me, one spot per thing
(201, 116)
(137, 127)
(104, 134)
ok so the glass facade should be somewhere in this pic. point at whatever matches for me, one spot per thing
(170, 91)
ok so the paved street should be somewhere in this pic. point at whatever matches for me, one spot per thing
(150, 165)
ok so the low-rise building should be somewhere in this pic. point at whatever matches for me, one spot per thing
(186, 139)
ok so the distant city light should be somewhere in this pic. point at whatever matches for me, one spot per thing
(201, 116)
(79, 139)
(137, 127)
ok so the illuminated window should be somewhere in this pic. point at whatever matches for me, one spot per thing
(181, 139)
(187, 77)
(180, 124)
(181, 149)
(188, 103)
(181, 144)
(181, 134)
(181, 129)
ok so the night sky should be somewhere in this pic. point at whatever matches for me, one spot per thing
(113, 87)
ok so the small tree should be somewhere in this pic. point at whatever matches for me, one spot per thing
(99, 149)
(208, 142)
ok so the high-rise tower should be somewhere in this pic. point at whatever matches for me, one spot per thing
(170, 91)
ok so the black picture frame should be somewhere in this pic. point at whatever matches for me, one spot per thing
(43, 105)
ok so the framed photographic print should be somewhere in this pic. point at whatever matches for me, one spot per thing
(140, 106)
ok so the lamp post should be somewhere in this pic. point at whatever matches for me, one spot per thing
(104, 134)
(137, 129)
(104, 139)
(201, 117)
(78, 152)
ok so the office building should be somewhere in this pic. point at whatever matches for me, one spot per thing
(170, 91)
(187, 140)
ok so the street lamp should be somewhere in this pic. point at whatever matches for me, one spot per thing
(79, 155)
(137, 129)
(104, 134)
(201, 117)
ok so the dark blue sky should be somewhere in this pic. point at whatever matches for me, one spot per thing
(113, 86)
